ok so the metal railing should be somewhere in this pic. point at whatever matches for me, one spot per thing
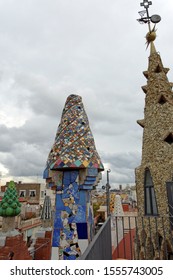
(123, 233)
(142, 237)
(100, 247)
(132, 237)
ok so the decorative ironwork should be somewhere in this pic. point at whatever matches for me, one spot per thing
(145, 17)
(146, 4)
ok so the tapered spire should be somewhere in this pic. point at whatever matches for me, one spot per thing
(154, 175)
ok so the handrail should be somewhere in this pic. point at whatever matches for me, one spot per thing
(100, 234)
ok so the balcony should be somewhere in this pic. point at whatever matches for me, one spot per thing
(132, 237)
(31, 223)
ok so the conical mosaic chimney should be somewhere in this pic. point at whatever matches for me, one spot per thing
(74, 145)
(73, 170)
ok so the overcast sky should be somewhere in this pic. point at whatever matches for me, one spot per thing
(94, 48)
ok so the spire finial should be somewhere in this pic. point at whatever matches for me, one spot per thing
(145, 18)
(146, 5)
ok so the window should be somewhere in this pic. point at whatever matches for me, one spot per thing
(158, 69)
(22, 193)
(162, 100)
(169, 139)
(32, 193)
(150, 197)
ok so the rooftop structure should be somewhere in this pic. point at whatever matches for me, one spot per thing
(154, 176)
(73, 170)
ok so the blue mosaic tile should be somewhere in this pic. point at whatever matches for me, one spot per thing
(59, 203)
(56, 238)
(46, 173)
(82, 230)
(82, 199)
(81, 214)
(58, 221)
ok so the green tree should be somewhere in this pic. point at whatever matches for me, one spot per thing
(10, 205)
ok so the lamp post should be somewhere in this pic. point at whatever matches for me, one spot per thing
(107, 188)
(107, 193)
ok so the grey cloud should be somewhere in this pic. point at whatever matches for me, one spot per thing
(33, 131)
(50, 49)
(122, 166)
(6, 141)
(127, 160)
(26, 160)
(24, 150)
